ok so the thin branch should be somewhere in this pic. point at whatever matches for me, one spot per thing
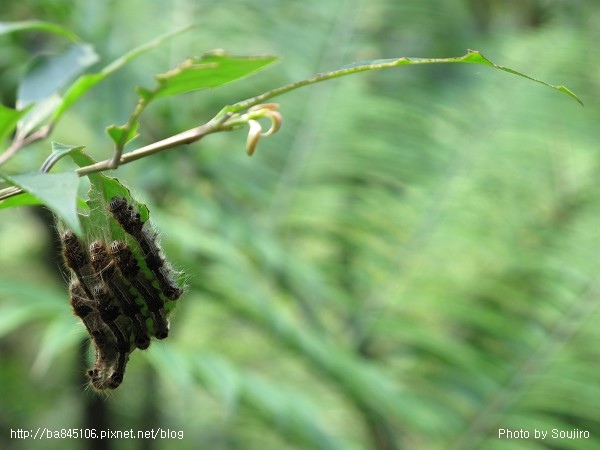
(19, 143)
(222, 122)
(185, 137)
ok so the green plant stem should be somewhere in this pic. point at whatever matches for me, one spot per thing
(19, 143)
(186, 137)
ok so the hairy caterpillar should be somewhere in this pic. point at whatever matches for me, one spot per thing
(125, 260)
(84, 308)
(120, 290)
(112, 317)
(107, 349)
(146, 238)
(122, 294)
(77, 259)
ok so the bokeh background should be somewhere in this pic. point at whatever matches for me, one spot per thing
(410, 263)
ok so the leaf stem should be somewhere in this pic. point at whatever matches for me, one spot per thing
(185, 137)
(20, 142)
(222, 122)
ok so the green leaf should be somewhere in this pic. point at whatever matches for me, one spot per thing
(49, 73)
(37, 25)
(87, 82)
(472, 57)
(58, 191)
(210, 70)
(58, 151)
(45, 78)
(8, 120)
(103, 189)
(122, 134)
(25, 199)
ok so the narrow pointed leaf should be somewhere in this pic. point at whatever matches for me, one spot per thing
(472, 57)
(477, 58)
(210, 70)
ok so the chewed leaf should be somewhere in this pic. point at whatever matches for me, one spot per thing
(102, 190)
(86, 82)
(472, 57)
(210, 70)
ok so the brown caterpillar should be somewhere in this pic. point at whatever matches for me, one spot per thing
(107, 352)
(114, 297)
(125, 260)
(84, 308)
(77, 259)
(120, 290)
(112, 317)
(146, 238)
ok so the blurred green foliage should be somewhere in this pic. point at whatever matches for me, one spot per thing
(409, 263)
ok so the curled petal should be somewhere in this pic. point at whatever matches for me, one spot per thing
(254, 134)
(276, 120)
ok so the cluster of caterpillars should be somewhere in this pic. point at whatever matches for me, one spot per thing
(122, 300)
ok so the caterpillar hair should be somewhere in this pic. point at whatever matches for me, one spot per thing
(125, 260)
(77, 259)
(146, 238)
(109, 313)
(101, 336)
(119, 289)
